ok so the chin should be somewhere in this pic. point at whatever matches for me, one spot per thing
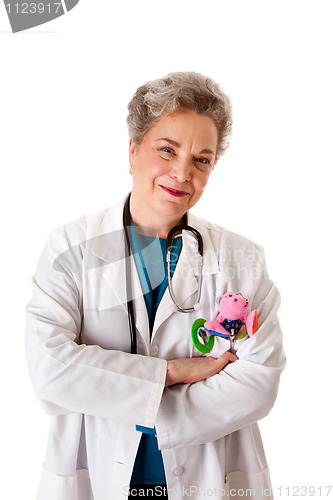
(172, 209)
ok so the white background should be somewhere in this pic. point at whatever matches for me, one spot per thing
(64, 89)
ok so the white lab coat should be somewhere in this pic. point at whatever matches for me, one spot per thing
(78, 344)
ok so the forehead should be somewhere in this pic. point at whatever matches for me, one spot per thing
(185, 126)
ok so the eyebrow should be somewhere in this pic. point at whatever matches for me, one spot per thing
(177, 145)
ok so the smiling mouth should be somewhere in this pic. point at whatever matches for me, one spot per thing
(173, 192)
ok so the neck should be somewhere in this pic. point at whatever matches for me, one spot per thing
(150, 222)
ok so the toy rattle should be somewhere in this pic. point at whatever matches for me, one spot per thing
(231, 322)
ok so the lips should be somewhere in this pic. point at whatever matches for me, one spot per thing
(173, 192)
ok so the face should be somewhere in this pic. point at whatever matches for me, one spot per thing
(233, 305)
(171, 167)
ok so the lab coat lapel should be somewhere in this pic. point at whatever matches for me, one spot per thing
(109, 279)
(115, 277)
(184, 284)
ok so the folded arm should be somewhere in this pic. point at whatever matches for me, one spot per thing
(242, 393)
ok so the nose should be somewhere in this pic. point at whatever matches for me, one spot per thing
(181, 170)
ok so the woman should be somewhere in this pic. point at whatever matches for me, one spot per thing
(145, 413)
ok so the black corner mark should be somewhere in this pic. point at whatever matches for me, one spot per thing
(24, 15)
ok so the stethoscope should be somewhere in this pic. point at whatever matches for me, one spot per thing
(174, 233)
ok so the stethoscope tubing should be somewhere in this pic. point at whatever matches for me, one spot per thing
(130, 309)
(171, 236)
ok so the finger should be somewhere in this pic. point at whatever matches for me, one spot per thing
(228, 356)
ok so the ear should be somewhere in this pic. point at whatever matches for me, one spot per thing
(132, 149)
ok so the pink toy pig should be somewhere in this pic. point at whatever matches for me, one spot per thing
(230, 318)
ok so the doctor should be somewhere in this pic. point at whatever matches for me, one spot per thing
(162, 419)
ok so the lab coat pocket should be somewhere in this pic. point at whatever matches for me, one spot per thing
(55, 487)
(243, 485)
(222, 345)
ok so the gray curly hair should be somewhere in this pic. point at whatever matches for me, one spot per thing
(180, 90)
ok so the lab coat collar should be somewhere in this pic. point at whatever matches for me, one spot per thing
(109, 243)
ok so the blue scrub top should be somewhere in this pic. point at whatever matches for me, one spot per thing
(150, 258)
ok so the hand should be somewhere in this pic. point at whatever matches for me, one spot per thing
(189, 370)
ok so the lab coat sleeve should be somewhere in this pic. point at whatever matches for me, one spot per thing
(239, 395)
(71, 377)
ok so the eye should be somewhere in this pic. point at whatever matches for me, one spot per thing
(202, 163)
(166, 151)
